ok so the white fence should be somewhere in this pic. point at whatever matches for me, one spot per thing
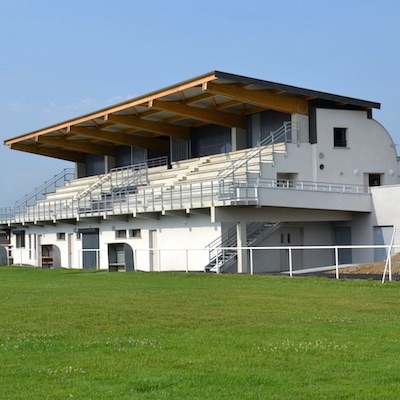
(195, 260)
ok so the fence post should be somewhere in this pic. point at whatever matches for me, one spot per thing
(337, 261)
(251, 261)
(290, 262)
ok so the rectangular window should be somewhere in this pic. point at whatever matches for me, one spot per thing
(135, 233)
(374, 179)
(120, 234)
(61, 236)
(339, 137)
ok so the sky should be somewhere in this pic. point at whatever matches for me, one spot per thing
(65, 58)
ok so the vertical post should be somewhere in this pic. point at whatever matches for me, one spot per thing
(241, 235)
(251, 262)
(390, 264)
(337, 261)
(290, 262)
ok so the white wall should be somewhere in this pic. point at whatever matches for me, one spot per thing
(173, 233)
(370, 149)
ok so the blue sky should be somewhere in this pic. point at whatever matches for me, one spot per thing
(64, 58)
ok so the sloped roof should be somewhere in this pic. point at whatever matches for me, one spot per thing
(214, 98)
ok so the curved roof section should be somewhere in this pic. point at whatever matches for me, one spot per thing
(147, 121)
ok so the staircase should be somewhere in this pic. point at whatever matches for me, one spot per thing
(101, 181)
(123, 180)
(223, 252)
(271, 144)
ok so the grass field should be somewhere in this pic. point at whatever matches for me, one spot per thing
(98, 335)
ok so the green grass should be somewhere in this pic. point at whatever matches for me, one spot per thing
(98, 335)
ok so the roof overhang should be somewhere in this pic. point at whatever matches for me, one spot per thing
(146, 121)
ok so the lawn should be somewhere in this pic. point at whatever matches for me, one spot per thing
(99, 335)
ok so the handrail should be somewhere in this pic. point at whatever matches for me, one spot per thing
(219, 248)
(284, 131)
(127, 175)
(159, 198)
(43, 189)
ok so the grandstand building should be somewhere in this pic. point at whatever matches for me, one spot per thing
(189, 176)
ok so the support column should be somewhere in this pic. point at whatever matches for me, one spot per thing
(239, 139)
(242, 259)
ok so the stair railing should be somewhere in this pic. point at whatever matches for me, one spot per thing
(47, 187)
(218, 247)
(286, 132)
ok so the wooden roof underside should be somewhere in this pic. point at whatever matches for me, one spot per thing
(214, 98)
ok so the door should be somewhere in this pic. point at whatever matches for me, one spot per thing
(90, 247)
(291, 237)
(343, 237)
(153, 250)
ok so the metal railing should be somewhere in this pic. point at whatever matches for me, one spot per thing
(47, 187)
(191, 259)
(161, 198)
(222, 249)
(282, 135)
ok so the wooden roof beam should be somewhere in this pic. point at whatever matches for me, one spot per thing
(201, 114)
(60, 154)
(78, 145)
(282, 103)
(159, 128)
(120, 138)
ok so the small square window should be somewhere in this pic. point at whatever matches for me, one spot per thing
(135, 233)
(120, 234)
(60, 235)
(339, 137)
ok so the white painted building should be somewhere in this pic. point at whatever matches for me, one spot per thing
(168, 180)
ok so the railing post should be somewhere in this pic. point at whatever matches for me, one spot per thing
(290, 262)
(251, 262)
(337, 261)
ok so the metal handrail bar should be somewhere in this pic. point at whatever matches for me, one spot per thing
(312, 186)
(164, 197)
(274, 136)
(43, 189)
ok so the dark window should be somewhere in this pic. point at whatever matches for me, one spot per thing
(121, 233)
(135, 233)
(374, 180)
(61, 236)
(339, 137)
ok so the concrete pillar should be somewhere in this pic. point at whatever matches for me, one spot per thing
(242, 259)
(239, 139)
(109, 163)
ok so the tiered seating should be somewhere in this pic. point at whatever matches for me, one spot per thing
(71, 188)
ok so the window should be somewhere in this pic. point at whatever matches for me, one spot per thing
(339, 137)
(61, 236)
(374, 180)
(120, 233)
(19, 239)
(135, 233)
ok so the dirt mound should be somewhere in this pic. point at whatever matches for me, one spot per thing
(374, 268)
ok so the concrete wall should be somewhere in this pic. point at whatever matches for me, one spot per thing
(173, 233)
